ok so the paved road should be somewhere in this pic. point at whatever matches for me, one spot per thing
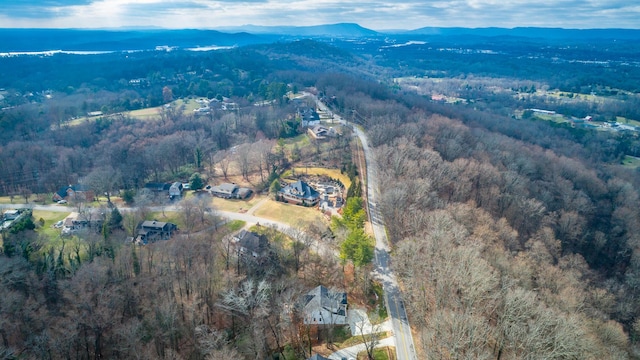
(318, 246)
(393, 297)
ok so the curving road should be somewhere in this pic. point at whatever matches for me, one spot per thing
(393, 297)
(403, 338)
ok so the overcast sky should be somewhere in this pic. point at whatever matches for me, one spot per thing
(377, 15)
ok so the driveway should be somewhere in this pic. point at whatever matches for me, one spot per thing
(352, 352)
(360, 324)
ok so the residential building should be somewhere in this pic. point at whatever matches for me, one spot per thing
(325, 307)
(175, 190)
(77, 192)
(250, 243)
(158, 187)
(308, 117)
(299, 193)
(230, 191)
(151, 230)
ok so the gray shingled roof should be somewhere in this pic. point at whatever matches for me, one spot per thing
(302, 190)
(321, 297)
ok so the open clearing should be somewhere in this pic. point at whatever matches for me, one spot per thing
(631, 162)
(288, 213)
(333, 173)
(234, 205)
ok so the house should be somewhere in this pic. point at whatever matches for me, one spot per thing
(323, 306)
(158, 187)
(79, 222)
(308, 117)
(318, 132)
(11, 217)
(175, 190)
(77, 192)
(151, 230)
(230, 191)
(251, 243)
(225, 191)
(11, 214)
(299, 193)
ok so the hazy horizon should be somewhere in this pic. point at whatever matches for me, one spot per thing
(375, 15)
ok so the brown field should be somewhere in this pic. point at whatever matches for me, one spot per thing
(145, 114)
(235, 205)
(288, 213)
(334, 173)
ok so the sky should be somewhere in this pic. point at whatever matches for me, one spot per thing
(377, 15)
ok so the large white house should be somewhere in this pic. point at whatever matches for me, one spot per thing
(325, 307)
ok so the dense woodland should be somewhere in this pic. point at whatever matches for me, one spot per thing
(514, 238)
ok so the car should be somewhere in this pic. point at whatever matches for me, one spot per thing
(59, 224)
(61, 202)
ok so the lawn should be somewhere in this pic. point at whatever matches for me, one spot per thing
(333, 173)
(19, 199)
(50, 218)
(169, 216)
(288, 213)
(385, 353)
(631, 162)
(145, 114)
(235, 205)
(302, 140)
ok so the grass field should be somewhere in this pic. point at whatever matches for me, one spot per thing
(302, 140)
(234, 205)
(288, 213)
(334, 173)
(169, 216)
(631, 162)
(50, 218)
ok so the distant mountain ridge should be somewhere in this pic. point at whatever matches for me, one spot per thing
(34, 40)
(23, 40)
(336, 30)
(531, 32)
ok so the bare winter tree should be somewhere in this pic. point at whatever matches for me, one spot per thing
(250, 304)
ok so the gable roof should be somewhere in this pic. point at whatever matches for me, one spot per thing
(252, 241)
(225, 188)
(302, 190)
(64, 191)
(321, 297)
(157, 186)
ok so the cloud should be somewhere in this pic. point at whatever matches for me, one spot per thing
(379, 14)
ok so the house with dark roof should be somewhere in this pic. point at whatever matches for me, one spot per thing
(151, 230)
(74, 192)
(318, 132)
(175, 190)
(325, 307)
(230, 191)
(299, 193)
(308, 116)
(251, 244)
(158, 187)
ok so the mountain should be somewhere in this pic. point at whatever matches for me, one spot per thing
(16, 40)
(532, 32)
(344, 30)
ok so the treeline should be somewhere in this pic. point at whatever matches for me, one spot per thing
(567, 65)
(515, 239)
(123, 153)
(193, 297)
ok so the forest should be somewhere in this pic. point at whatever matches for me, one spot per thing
(513, 237)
